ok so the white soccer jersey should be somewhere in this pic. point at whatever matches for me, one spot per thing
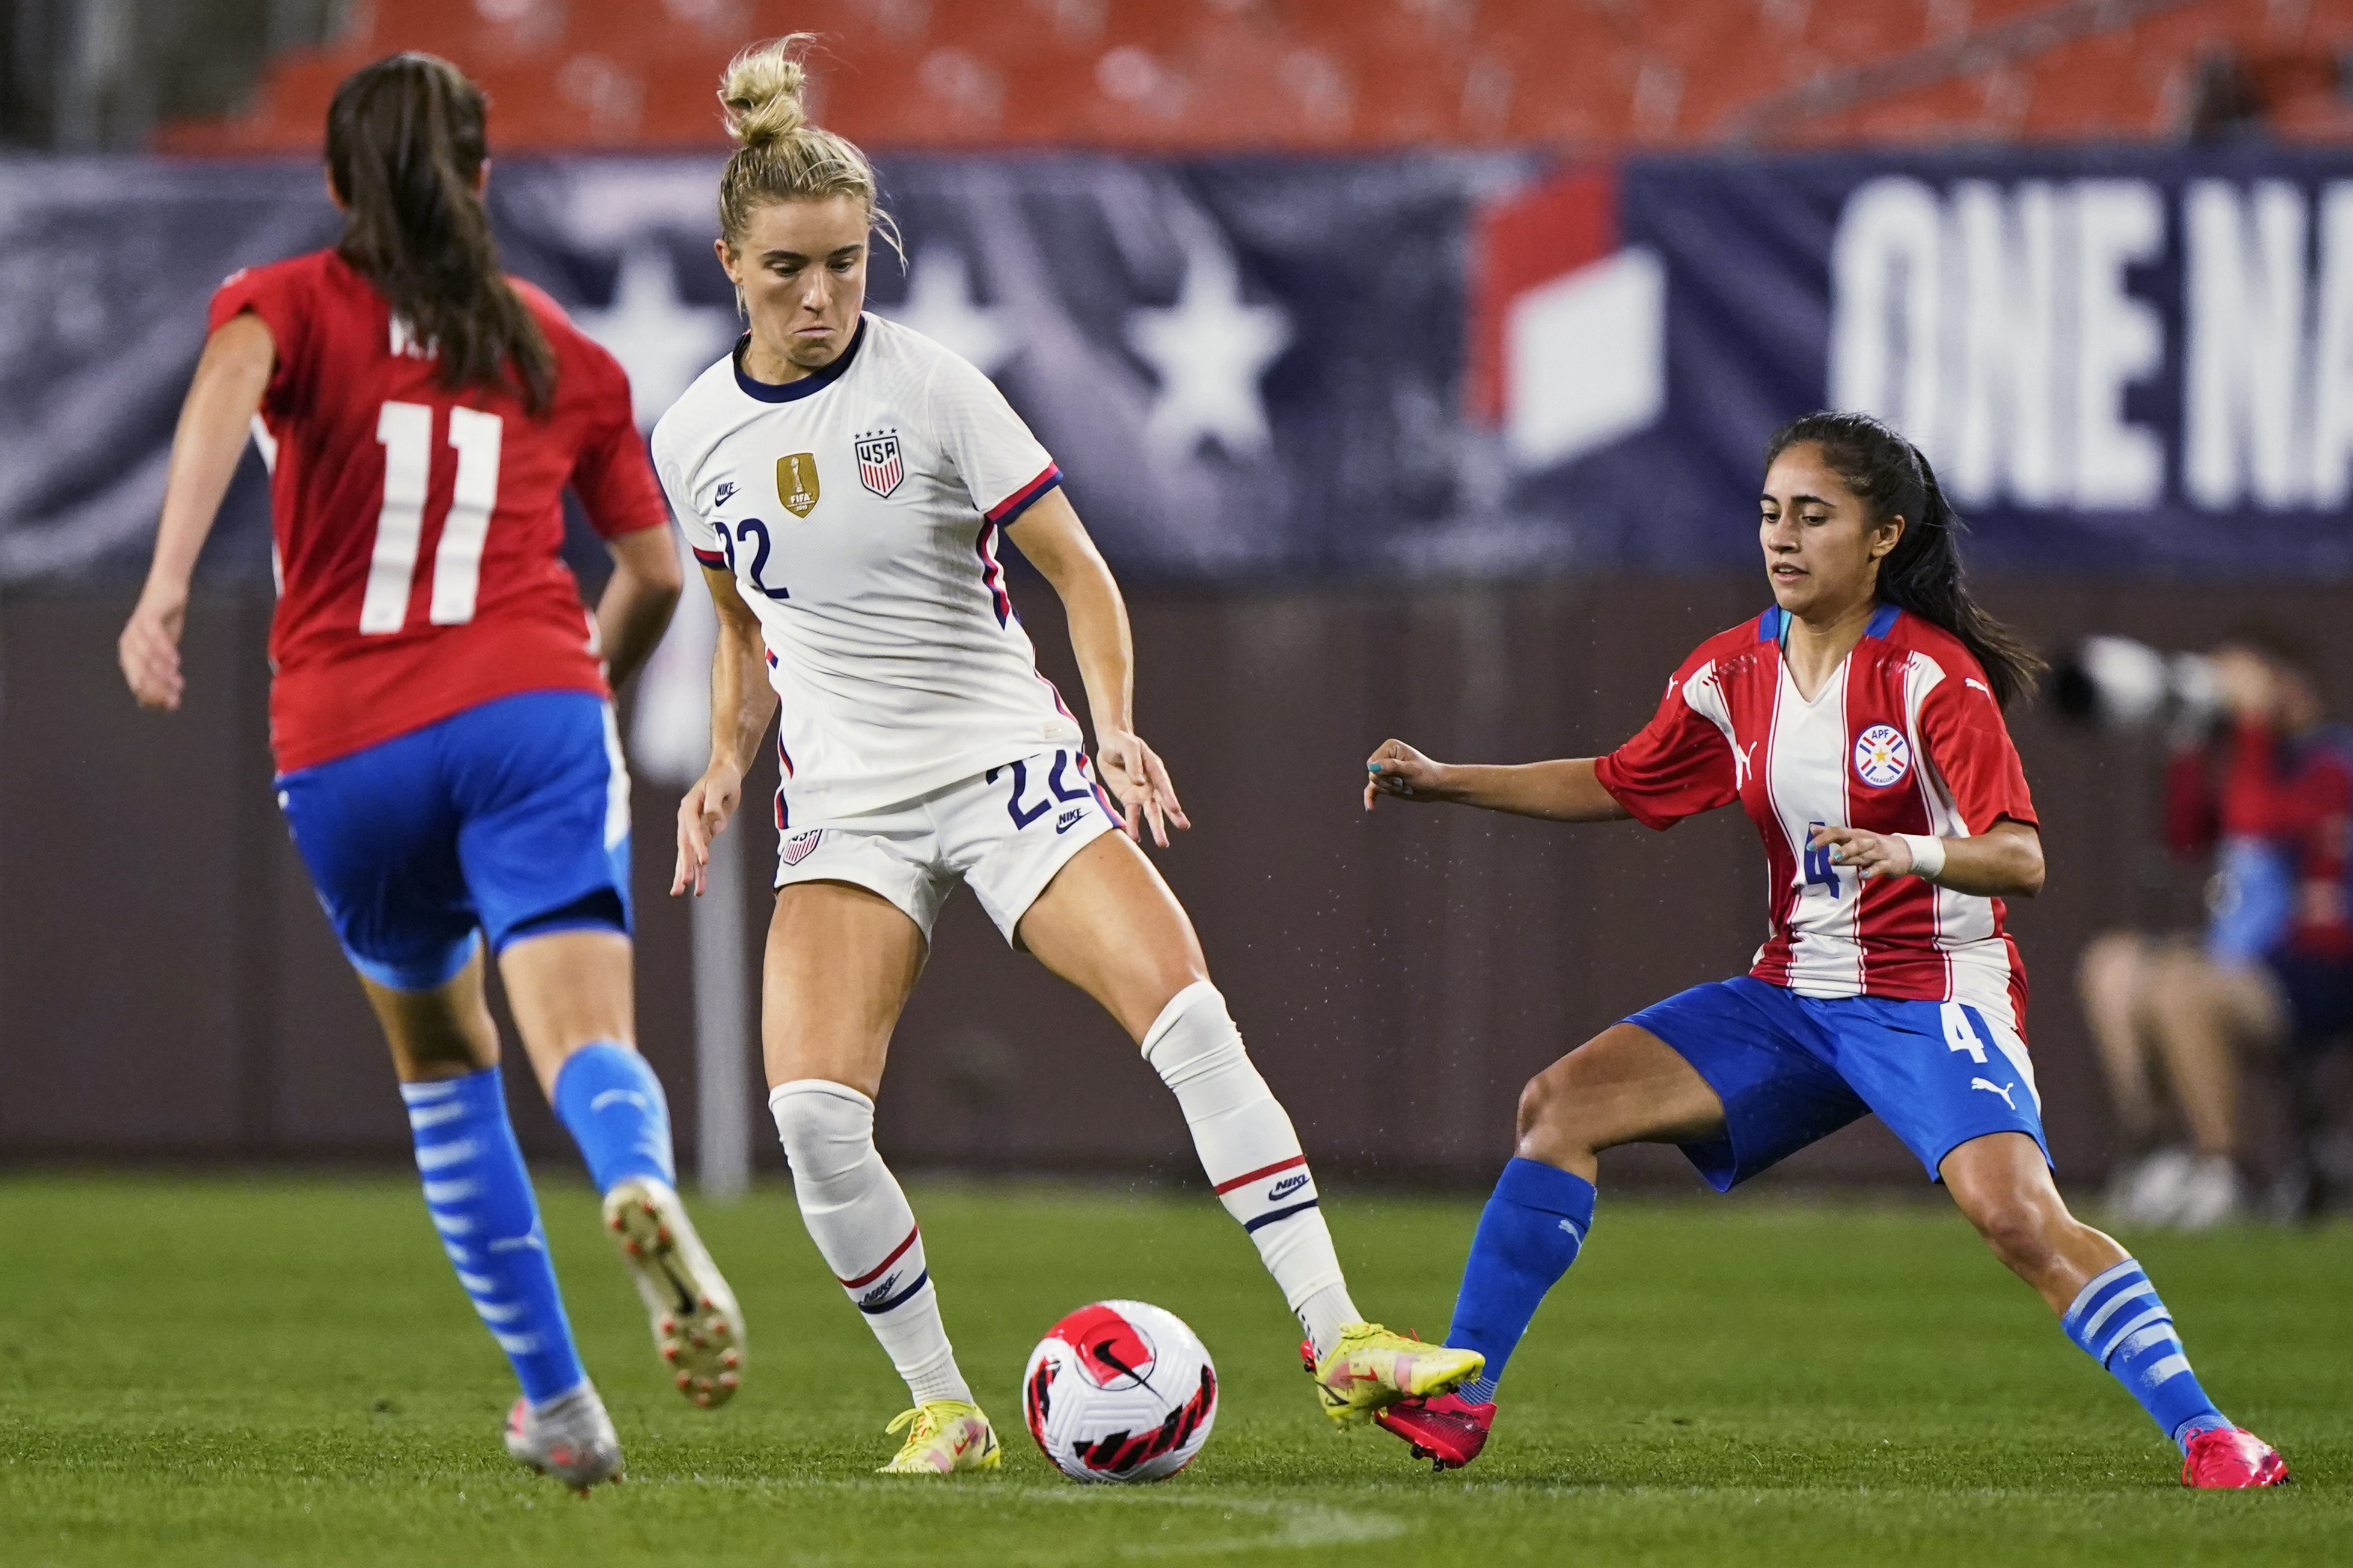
(859, 509)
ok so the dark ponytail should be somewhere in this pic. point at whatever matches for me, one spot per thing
(405, 145)
(1923, 574)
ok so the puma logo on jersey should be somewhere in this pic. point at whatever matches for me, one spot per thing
(1742, 764)
(1981, 686)
(1992, 1088)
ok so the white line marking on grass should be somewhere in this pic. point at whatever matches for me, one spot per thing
(1297, 1524)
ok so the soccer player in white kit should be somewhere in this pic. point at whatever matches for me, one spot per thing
(844, 482)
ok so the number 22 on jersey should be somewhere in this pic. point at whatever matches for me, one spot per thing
(406, 432)
(750, 529)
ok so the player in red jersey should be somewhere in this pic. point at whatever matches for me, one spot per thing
(1858, 721)
(446, 756)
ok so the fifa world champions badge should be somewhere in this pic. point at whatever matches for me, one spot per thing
(1882, 756)
(797, 482)
(880, 468)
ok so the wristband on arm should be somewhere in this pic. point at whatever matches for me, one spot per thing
(1927, 854)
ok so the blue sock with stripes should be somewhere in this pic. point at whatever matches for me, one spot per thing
(479, 1196)
(2120, 1323)
(1528, 1235)
(613, 1105)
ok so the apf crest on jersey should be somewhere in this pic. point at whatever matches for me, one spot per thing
(880, 468)
(1882, 756)
(797, 482)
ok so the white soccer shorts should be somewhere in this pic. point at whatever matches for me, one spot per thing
(1004, 833)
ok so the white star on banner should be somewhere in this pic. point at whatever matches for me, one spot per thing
(1209, 349)
(662, 342)
(940, 305)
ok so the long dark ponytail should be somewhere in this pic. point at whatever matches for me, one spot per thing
(1923, 574)
(405, 145)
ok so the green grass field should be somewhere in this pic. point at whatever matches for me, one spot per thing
(279, 1371)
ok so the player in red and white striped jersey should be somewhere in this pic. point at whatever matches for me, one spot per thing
(1729, 731)
(1858, 721)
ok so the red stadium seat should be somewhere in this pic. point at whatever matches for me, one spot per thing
(1212, 75)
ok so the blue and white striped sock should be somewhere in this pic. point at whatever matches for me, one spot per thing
(479, 1196)
(2120, 1323)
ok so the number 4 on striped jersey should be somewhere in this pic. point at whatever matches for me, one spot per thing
(406, 432)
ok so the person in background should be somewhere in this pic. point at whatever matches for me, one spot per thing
(2269, 796)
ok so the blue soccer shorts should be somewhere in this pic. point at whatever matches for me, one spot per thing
(511, 818)
(1793, 1069)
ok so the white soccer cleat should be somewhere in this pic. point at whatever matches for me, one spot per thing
(2210, 1194)
(2155, 1193)
(697, 1328)
(572, 1439)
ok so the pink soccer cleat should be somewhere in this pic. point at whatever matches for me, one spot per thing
(1445, 1429)
(2230, 1458)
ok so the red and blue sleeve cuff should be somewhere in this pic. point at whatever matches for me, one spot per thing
(712, 560)
(1005, 511)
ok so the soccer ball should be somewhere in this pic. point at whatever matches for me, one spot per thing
(1119, 1391)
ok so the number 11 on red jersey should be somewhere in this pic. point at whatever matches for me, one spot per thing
(406, 432)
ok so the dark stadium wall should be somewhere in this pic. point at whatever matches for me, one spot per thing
(169, 989)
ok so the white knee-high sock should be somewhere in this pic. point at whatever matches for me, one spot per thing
(1251, 1154)
(861, 1223)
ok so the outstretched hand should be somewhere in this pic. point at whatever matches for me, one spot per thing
(1400, 773)
(1137, 778)
(1867, 854)
(701, 818)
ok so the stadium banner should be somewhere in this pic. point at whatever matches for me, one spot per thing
(1271, 369)
(2118, 361)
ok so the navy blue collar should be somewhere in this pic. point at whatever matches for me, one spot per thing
(815, 382)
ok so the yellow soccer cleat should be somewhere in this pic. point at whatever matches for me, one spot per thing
(1371, 1367)
(948, 1435)
(697, 1328)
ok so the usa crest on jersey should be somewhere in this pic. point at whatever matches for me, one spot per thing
(880, 468)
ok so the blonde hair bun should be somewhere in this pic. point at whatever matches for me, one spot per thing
(761, 93)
